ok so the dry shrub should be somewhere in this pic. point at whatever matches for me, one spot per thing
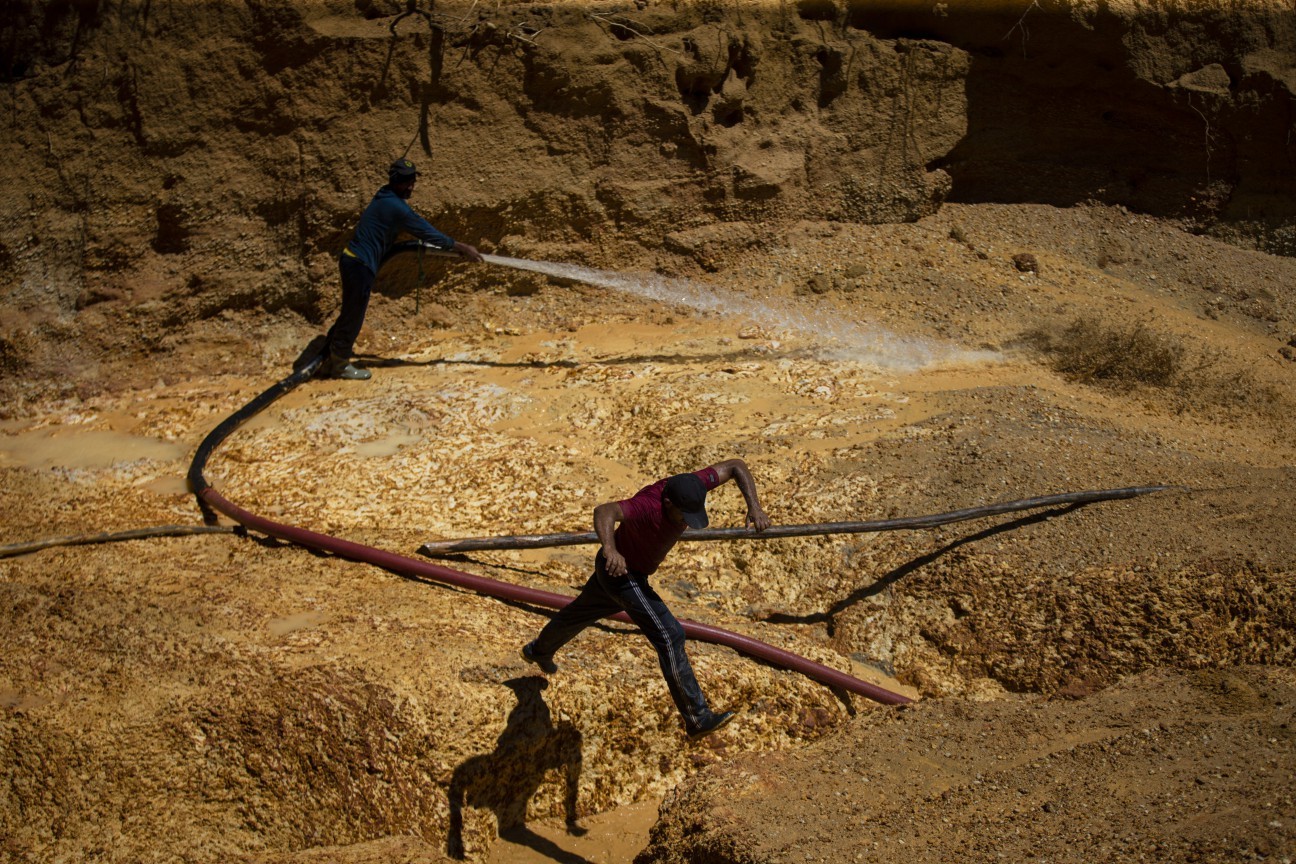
(1125, 357)
(1093, 352)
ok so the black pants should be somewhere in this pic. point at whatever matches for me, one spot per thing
(605, 595)
(357, 285)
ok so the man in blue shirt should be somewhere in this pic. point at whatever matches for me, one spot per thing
(383, 220)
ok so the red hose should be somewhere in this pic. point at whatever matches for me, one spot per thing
(407, 566)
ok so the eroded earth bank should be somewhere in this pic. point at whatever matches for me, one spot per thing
(901, 258)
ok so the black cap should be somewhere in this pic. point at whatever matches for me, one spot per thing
(401, 171)
(688, 493)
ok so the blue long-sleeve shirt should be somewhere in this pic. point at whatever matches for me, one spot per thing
(386, 216)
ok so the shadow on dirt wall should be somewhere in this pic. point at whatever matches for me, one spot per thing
(1184, 114)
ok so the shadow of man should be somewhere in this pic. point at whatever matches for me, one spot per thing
(887, 580)
(505, 779)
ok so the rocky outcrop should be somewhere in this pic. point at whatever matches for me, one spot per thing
(1013, 781)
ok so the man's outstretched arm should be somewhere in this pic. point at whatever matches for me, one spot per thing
(736, 469)
(606, 517)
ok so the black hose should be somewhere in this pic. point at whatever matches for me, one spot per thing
(12, 549)
(197, 482)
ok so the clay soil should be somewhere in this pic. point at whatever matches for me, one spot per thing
(1107, 682)
(1088, 668)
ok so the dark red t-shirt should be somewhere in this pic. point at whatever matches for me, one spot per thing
(645, 535)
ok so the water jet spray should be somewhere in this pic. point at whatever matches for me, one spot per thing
(833, 336)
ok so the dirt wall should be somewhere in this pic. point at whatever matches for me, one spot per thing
(170, 161)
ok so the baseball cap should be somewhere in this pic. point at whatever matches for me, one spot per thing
(401, 170)
(687, 492)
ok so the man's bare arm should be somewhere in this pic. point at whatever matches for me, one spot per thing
(606, 517)
(736, 469)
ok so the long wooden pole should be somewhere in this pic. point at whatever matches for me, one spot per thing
(438, 548)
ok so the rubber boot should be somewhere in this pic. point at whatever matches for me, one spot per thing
(337, 366)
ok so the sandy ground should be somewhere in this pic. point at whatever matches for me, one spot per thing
(874, 372)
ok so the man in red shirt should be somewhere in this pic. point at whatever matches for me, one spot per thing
(636, 534)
